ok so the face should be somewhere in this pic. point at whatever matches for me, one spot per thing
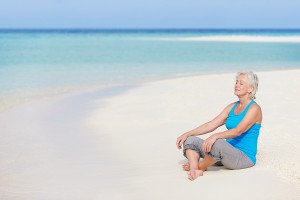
(242, 86)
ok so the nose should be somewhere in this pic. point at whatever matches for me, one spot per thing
(236, 85)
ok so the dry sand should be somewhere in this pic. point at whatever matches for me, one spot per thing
(122, 145)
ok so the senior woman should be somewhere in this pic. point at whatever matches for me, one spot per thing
(234, 148)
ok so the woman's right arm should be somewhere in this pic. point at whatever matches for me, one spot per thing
(207, 127)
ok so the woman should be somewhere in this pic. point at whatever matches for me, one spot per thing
(235, 148)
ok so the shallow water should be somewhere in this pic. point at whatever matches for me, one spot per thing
(36, 63)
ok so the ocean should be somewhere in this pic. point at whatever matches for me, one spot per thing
(34, 63)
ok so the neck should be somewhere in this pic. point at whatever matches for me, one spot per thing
(244, 100)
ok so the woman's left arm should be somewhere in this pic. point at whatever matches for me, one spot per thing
(252, 116)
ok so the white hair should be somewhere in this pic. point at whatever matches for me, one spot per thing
(253, 81)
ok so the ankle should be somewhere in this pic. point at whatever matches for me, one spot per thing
(201, 167)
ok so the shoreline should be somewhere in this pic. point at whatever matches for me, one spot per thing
(116, 144)
(11, 100)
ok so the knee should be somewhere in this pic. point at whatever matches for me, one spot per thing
(194, 141)
(217, 149)
(191, 140)
(218, 145)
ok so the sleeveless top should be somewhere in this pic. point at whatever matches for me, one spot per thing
(247, 141)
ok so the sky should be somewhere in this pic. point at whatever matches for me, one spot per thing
(149, 14)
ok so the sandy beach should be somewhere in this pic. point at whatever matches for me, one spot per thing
(119, 142)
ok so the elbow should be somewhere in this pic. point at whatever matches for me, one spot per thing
(238, 132)
(210, 127)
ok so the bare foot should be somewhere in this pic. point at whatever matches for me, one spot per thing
(193, 174)
(186, 167)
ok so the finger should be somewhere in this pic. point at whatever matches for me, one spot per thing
(208, 148)
(204, 147)
(180, 144)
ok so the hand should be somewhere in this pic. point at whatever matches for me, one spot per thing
(208, 143)
(180, 140)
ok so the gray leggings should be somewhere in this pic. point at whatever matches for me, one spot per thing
(221, 151)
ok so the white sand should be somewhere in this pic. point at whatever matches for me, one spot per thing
(85, 146)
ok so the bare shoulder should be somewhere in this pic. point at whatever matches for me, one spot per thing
(255, 112)
(255, 107)
(228, 108)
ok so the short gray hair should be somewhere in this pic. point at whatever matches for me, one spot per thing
(253, 81)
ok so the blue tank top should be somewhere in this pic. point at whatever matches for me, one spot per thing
(246, 142)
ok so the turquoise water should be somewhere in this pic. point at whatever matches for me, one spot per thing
(44, 59)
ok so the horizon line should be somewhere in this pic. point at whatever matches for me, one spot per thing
(144, 30)
(95, 28)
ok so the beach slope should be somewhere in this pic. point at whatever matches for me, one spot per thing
(122, 146)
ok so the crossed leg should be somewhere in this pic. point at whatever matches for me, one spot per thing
(193, 167)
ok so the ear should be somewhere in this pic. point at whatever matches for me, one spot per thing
(250, 89)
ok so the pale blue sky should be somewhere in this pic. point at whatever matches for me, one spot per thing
(149, 14)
